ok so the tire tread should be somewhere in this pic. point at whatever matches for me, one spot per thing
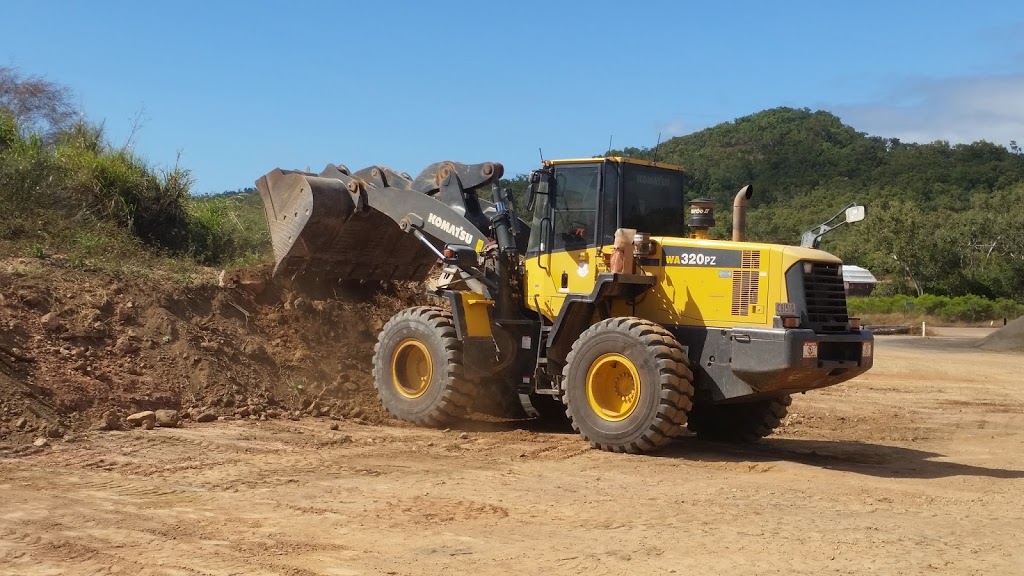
(674, 385)
(457, 397)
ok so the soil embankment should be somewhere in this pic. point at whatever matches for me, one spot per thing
(81, 350)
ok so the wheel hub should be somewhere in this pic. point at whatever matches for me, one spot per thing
(411, 368)
(613, 387)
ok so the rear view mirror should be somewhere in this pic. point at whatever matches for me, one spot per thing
(855, 214)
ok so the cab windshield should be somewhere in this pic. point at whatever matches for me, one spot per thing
(653, 200)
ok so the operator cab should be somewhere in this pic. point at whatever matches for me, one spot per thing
(579, 204)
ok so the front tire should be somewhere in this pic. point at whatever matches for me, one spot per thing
(627, 385)
(417, 368)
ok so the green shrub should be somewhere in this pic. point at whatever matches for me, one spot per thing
(229, 229)
(968, 308)
(26, 169)
(76, 194)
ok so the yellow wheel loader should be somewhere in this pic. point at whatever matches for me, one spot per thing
(613, 307)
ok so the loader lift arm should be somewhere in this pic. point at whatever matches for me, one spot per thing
(376, 223)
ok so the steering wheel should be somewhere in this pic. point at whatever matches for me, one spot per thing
(576, 234)
(578, 230)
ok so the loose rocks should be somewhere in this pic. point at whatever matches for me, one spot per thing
(50, 321)
(140, 418)
(125, 345)
(167, 418)
(206, 417)
(110, 421)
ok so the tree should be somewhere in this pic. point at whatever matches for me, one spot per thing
(36, 104)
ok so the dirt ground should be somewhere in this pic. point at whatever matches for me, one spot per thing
(917, 467)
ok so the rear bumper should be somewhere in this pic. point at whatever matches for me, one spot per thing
(779, 361)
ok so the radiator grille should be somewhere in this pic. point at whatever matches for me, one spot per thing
(746, 283)
(825, 296)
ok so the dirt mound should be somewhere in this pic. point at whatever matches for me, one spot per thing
(1009, 337)
(76, 345)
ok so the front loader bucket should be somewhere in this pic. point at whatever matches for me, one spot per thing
(323, 225)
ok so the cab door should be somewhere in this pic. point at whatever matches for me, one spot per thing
(562, 259)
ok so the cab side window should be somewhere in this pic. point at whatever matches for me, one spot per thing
(575, 209)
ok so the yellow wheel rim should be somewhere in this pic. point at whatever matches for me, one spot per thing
(613, 387)
(411, 368)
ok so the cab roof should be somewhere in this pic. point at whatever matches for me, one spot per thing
(619, 159)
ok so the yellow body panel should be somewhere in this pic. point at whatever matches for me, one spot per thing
(476, 309)
(690, 293)
(700, 282)
(543, 278)
(793, 254)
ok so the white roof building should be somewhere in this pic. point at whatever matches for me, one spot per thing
(856, 274)
(858, 281)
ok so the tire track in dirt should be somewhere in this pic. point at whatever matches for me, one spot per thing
(134, 468)
(440, 510)
(156, 537)
(36, 553)
(297, 498)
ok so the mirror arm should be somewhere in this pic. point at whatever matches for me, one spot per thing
(838, 214)
(812, 238)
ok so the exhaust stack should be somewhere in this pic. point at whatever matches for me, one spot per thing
(739, 213)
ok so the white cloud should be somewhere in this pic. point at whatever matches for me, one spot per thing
(672, 128)
(963, 109)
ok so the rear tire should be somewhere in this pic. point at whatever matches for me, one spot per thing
(627, 385)
(417, 368)
(746, 422)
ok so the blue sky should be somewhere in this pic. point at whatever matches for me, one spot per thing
(240, 88)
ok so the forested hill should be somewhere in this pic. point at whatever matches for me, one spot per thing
(942, 218)
(785, 152)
